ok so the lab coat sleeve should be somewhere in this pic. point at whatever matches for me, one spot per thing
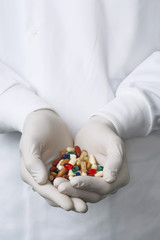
(17, 100)
(135, 110)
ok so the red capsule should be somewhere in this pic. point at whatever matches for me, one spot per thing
(68, 166)
(77, 151)
(55, 162)
(91, 172)
(52, 169)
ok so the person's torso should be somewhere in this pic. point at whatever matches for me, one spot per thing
(74, 54)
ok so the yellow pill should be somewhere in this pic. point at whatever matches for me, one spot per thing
(54, 174)
(89, 165)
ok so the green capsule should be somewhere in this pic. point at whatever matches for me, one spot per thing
(75, 169)
(71, 153)
(100, 168)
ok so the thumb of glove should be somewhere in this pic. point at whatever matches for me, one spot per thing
(113, 162)
(36, 167)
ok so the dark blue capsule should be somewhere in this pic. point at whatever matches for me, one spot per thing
(78, 173)
(56, 170)
(64, 156)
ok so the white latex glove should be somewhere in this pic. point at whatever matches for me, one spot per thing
(44, 135)
(98, 136)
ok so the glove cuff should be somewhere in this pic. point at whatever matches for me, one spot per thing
(15, 105)
(130, 113)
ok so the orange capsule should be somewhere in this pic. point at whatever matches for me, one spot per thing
(65, 176)
(62, 172)
(64, 161)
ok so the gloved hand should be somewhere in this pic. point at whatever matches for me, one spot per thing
(99, 137)
(44, 135)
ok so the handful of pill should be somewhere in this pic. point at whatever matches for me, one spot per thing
(74, 162)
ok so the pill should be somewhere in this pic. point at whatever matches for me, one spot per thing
(84, 174)
(83, 155)
(99, 174)
(71, 173)
(70, 149)
(59, 164)
(68, 166)
(75, 169)
(51, 178)
(73, 160)
(92, 159)
(94, 166)
(89, 165)
(72, 156)
(64, 161)
(77, 151)
(52, 169)
(78, 161)
(65, 176)
(62, 152)
(54, 174)
(62, 172)
(56, 170)
(78, 174)
(71, 153)
(60, 167)
(64, 156)
(99, 168)
(83, 167)
(91, 172)
(86, 159)
(55, 162)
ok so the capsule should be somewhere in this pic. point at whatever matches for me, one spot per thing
(75, 169)
(100, 168)
(64, 156)
(68, 166)
(91, 172)
(51, 178)
(64, 161)
(55, 162)
(78, 174)
(52, 169)
(77, 151)
(62, 172)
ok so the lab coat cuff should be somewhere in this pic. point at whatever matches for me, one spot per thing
(15, 105)
(130, 113)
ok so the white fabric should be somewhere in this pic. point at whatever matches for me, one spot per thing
(137, 101)
(76, 57)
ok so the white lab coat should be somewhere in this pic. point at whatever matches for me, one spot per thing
(82, 57)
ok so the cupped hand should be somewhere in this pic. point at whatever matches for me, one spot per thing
(99, 137)
(44, 135)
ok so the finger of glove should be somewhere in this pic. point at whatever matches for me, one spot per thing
(51, 203)
(113, 162)
(86, 196)
(34, 164)
(92, 184)
(47, 191)
(123, 177)
(79, 205)
(58, 181)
